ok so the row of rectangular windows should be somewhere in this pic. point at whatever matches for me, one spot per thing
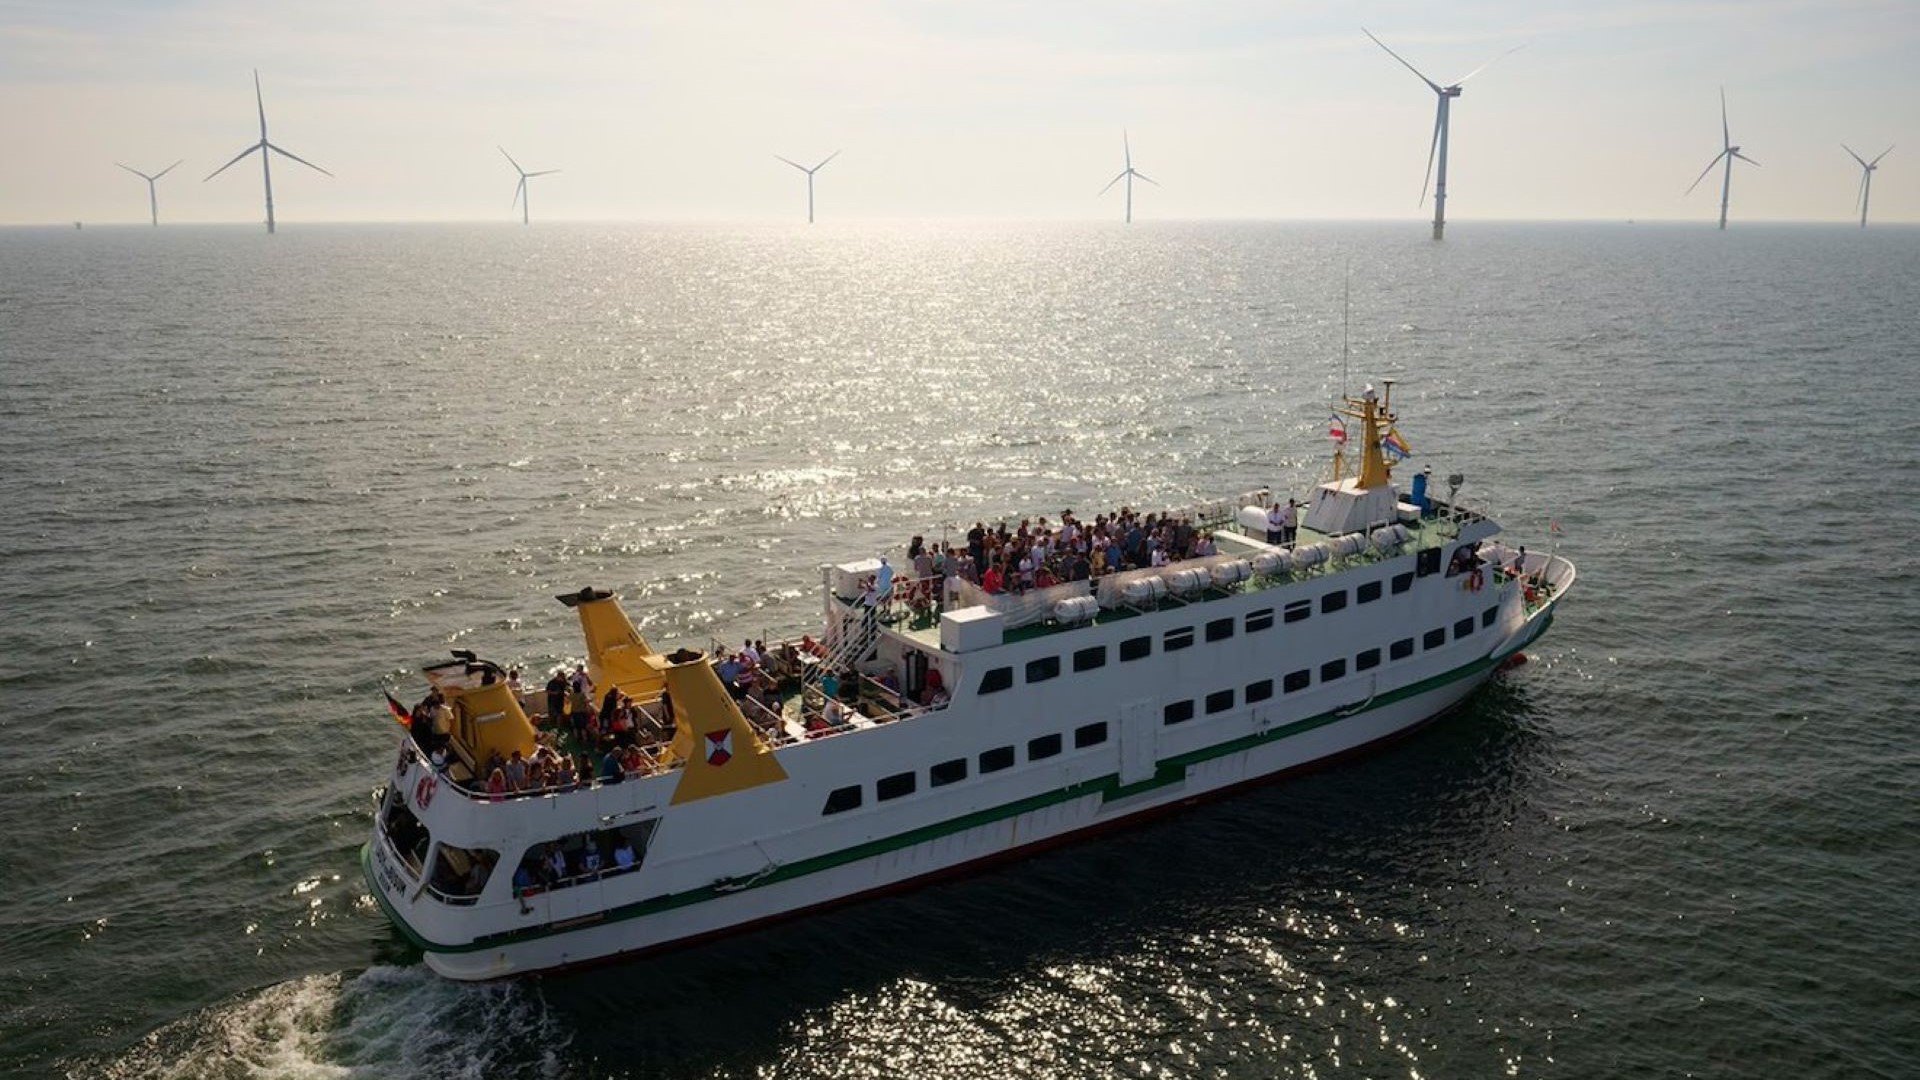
(1039, 748)
(1295, 681)
(1095, 657)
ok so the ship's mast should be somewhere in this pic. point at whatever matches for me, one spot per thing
(1375, 418)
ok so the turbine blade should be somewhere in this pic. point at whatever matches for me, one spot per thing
(1126, 147)
(298, 158)
(793, 163)
(1402, 59)
(236, 158)
(1854, 156)
(1745, 158)
(1462, 79)
(1860, 196)
(1726, 135)
(823, 162)
(1110, 183)
(543, 172)
(510, 161)
(262, 102)
(166, 170)
(518, 188)
(1883, 153)
(1432, 148)
(1705, 171)
(138, 173)
(1145, 177)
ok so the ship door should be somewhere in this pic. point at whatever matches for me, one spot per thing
(1138, 733)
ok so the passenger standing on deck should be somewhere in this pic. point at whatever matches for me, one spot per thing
(557, 696)
(1290, 523)
(883, 580)
(1276, 524)
(977, 548)
(581, 689)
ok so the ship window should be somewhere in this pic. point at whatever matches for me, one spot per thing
(459, 874)
(1043, 669)
(1367, 593)
(1088, 659)
(1000, 757)
(947, 772)
(996, 680)
(1333, 669)
(1219, 629)
(409, 838)
(1427, 562)
(840, 800)
(1401, 649)
(1259, 620)
(1089, 735)
(1298, 610)
(1297, 681)
(1434, 638)
(1043, 747)
(580, 858)
(1367, 661)
(893, 787)
(1401, 583)
(1177, 712)
(1333, 601)
(1219, 701)
(1259, 691)
(1462, 629)
(1177, 639)
(1487, 617)
(1135, 647)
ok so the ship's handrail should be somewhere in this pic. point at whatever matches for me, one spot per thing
(657, 761)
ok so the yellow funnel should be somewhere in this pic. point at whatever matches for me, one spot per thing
(721, 750)
(616, 653)
(486, 718)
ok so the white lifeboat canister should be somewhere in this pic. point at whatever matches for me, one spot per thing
(1254, 521)
(1232, 573)
(1076, 609)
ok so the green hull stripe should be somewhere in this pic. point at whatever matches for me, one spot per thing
(1171, 771)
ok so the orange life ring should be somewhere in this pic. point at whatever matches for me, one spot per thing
(423, 791)
(1476, 580)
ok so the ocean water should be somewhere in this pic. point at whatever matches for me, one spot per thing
(250, 481)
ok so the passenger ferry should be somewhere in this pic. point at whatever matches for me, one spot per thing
(933, 729)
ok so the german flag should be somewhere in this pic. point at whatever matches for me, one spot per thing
(400, 714)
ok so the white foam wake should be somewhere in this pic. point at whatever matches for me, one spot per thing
(385, 1022)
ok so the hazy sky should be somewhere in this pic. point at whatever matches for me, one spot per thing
(987, 109)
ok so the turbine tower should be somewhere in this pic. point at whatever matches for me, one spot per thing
(523, 193)
(1128, 174)
(153, 201)
(1866, 177)
(1446, 94)
(810, 172)
(1728, 152)
(266, 161)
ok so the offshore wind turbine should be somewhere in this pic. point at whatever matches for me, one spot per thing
(1446, 94)
(266, 160)
(153, 201)
(523, 193)
(1128, 174)
(1727, 152)
(810, 172)
(1866, 177)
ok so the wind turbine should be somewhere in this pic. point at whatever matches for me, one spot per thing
(810, 172)
(1446, 94)
(1729, 152)
(523, 193)
(1866, 177)
(153, 201)
(266, 162)
(1128, 174)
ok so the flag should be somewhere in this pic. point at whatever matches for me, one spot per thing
(400, 714)
(1396, 447)
(1338, 431)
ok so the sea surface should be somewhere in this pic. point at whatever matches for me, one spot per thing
(249, 482)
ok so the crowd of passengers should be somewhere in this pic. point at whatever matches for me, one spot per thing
(1041, 553)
